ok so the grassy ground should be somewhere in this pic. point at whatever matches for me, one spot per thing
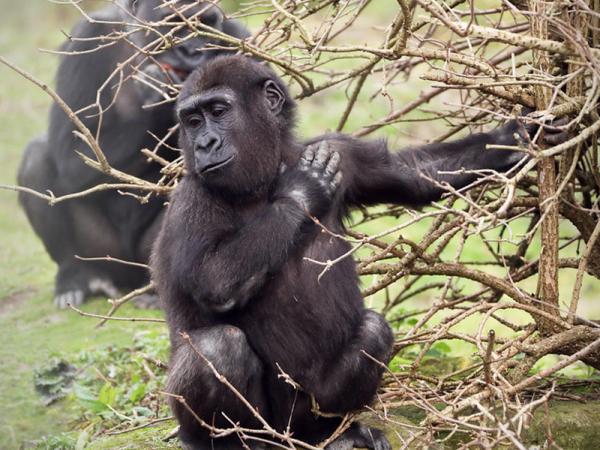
(31, 330)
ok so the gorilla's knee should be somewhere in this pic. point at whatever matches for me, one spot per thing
(35, 169)
(227, 349)
(378, 334)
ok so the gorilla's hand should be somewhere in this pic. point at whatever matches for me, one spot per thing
(524, 129)
(520, 132)
(315, 179)
(555, 130)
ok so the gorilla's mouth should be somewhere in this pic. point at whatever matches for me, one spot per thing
(181, 73)
(217, 165)
(224, 307)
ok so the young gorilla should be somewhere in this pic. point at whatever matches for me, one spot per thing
(231, 268)
(107, 223)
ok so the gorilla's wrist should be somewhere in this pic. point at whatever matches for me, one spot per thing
(513, 133)
(305, 193)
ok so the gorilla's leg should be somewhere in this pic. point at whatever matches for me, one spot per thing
(64, 229)
(355, 372)
(37, 172)
(92, 235)
(227, 349)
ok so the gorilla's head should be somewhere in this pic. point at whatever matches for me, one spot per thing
(235, 115)
(182, 50)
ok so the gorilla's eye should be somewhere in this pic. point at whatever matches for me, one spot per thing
(194, 121)
(218, 110)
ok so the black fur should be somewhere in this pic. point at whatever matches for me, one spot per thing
(231, 267)
(107, 223)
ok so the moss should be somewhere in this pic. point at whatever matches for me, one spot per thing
(572, 425)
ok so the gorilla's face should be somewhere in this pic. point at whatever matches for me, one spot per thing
(230, 138)
(190, 51)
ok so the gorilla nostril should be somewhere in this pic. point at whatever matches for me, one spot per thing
(212, 144)
(187, 50)
(208, 144)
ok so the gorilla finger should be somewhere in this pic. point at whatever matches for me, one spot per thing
(511, 158)
(556, 127)
(337, 179)
(556, 138)
(308, 155)
(526, 110)
(77, 298)
(378, 440)
(332, 165)
(58, 301)
(559, 123)
(323, 155)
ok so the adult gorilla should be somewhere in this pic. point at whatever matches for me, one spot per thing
(230, 262)
(108, 223)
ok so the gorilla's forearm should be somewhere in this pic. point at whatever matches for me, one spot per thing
(416, 176)
(238, 267)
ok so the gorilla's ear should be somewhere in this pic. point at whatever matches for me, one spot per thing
(274, 96)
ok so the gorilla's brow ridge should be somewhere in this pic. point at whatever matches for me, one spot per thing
(219, 94)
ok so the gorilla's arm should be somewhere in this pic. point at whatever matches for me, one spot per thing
(234, 265)
(78, 78)
(235, 268)
(373, 174)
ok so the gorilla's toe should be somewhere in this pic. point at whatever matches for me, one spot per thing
(73, 298)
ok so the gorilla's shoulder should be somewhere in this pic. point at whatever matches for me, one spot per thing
(97, 27)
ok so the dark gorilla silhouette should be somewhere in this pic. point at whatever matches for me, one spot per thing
(108, 223)
(230, 262)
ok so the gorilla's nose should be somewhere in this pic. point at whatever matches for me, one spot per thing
(208, 143)
(191, 54)
(187, 50)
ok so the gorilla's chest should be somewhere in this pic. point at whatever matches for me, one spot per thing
(312, 299)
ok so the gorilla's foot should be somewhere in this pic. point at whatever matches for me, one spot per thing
(361, 436)
(73, 298)
(74, 288)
